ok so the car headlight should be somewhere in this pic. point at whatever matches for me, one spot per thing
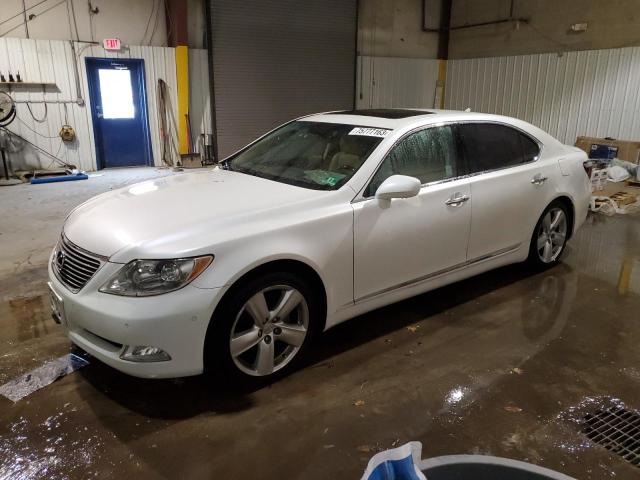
(141, 278)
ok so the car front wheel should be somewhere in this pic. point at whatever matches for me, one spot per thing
(262, 329)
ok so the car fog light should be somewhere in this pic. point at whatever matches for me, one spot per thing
(144, 353)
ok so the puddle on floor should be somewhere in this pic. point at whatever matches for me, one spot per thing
(48, 449)
(25, 318)
(28, 335)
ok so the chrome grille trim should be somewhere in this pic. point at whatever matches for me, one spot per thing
(74, 266)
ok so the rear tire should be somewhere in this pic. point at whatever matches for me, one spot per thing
(262, 329)
(549, 238)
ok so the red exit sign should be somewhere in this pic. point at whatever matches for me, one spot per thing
(111, 43)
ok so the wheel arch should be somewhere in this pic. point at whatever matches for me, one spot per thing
(289, 265)
(567, 202)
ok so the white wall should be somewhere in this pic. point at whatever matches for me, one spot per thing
(125, 19)
(384, 82)
(52, 61)
(595, 93)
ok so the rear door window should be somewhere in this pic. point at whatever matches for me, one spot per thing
(490, 146)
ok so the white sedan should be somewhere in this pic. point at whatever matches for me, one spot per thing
(324, 218)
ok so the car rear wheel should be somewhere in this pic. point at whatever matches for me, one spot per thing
(262, 329)
(550, 236)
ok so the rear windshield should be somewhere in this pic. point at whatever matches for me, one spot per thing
(322, 156)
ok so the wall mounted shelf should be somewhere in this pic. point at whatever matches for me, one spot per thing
(27, 84)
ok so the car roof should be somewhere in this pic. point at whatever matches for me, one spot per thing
(407, 118)
(390, 118)
(390, 113)
(399, 118)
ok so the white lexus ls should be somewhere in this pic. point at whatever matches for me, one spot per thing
(235, 270)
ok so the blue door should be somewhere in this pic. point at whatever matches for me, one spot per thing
(119, 112)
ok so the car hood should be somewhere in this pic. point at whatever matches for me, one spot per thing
(170, 216)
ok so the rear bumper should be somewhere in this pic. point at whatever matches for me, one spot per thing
(103, 325)
(581, 209)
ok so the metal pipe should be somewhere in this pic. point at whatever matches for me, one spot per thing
(212, 91)
(355, 60)
(24, 15)
(79, 99)
(4, 34)
(442, 28)
(20, 13)
(445, 24)
(492, 22)
(4, 163)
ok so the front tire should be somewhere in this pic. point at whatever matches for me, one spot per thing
(262, 329)
(550, 236)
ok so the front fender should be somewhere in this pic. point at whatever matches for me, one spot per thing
(325, 245)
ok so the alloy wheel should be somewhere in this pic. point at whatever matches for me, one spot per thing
(552, 235)
(269, 330)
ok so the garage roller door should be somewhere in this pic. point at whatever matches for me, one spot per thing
(274, 60)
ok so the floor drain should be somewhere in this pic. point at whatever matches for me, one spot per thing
(617, 429)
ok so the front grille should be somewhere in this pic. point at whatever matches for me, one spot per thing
(74, 266)
(617, 429)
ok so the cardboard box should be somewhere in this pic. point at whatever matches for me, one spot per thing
(627, 150)
(598, 177)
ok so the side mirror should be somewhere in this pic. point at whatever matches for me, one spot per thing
(398, 186)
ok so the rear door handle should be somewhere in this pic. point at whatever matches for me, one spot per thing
(457, 199)
(538, 179)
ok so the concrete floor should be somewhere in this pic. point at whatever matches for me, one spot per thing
(506, 364)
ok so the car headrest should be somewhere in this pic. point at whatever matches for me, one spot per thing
(351, 144)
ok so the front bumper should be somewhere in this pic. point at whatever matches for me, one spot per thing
(103, 325)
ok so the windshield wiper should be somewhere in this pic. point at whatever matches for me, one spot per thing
(298, 182)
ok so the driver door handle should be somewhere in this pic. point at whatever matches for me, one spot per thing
(538, 179)
(457, 199)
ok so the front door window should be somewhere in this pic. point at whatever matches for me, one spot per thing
(428, 155)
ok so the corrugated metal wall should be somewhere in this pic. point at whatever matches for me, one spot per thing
(595, 93)
(384, 82)
(52, 61)
(199, 101)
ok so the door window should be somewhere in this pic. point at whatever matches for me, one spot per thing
(116, 94)
(429, 155)
(489, 146)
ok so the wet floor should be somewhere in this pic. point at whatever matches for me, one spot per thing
(506, 364)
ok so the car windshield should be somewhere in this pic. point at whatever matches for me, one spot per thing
(322, 156)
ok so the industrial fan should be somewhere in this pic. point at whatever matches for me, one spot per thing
(7, 109)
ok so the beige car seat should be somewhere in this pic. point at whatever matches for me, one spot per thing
(350, 155)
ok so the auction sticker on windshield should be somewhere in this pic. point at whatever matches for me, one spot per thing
(370, 132)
